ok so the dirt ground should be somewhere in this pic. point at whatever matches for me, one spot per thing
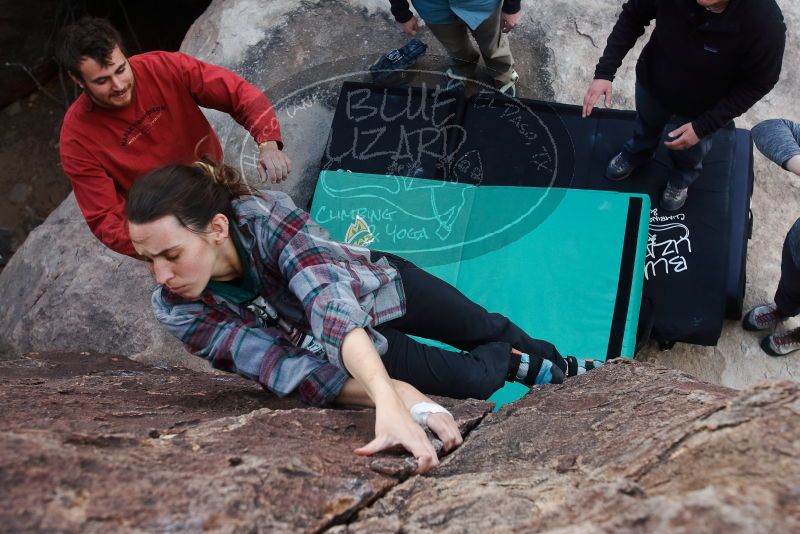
(31, 181)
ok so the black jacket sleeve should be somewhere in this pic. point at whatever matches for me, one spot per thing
(402, 13)
(761, 68)
(512, 6)
(635, 16)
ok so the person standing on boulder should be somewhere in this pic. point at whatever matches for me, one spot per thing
(779, 140)
(143, 112)
(451, 22)
(706, 63)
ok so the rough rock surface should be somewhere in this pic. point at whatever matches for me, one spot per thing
(627, 448)
(65, 291)
(299, 53)
(97, 443)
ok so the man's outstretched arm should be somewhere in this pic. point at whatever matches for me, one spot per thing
(218, 88)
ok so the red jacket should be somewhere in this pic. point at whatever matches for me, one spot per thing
(104, 150)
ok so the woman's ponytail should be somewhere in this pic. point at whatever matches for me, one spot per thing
(194, 194)
(225, 176)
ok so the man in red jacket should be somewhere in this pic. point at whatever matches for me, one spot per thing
(142, 112)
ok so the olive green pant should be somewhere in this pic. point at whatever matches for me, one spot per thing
(493, 44)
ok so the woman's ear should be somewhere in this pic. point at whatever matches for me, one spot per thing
(219, 229)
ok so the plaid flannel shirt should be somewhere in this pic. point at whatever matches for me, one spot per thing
(319, 285)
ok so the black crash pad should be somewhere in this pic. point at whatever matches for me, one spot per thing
(696, 257)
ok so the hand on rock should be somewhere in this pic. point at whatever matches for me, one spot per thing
(394, 426)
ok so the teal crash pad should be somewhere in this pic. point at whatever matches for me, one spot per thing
(566, 265)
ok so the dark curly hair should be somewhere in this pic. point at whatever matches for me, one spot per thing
(90, 37)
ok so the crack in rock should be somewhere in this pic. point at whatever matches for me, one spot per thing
(586, 35)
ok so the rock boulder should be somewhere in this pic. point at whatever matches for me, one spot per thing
(96, 443)
(629, 448)
(63, 290)
(99, 443)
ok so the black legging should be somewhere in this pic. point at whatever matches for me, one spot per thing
(787, 297)
(438, 311)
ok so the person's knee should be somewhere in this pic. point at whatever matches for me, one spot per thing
(487, 373)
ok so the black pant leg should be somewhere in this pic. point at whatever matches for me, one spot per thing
(435, 371)
(651, 117)
(437, 310)
(688, 164)
(787, 297)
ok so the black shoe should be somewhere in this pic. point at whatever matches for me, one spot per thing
(673, 198)
(397, 60)
(619, 168)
